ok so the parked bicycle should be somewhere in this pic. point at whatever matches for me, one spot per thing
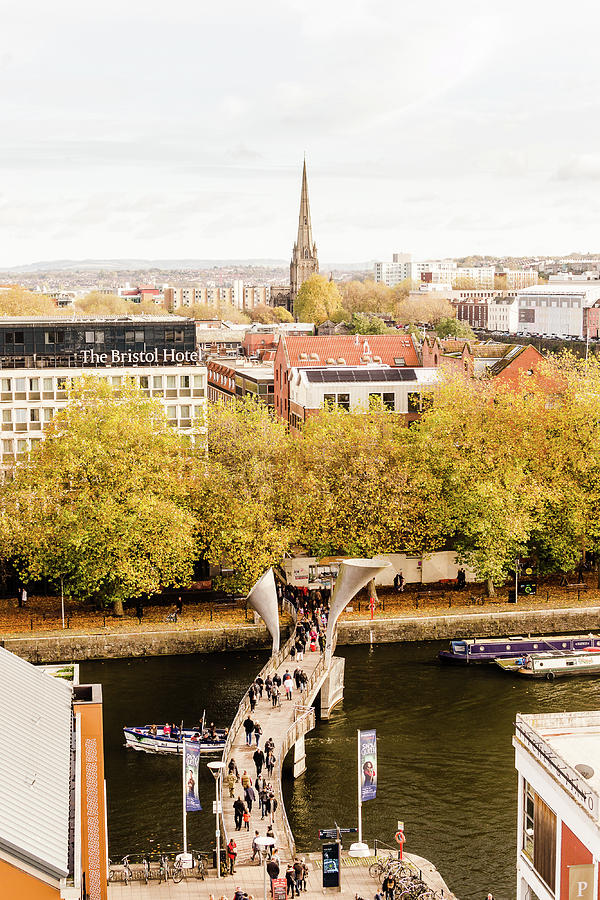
(119, 871)
(198, 869)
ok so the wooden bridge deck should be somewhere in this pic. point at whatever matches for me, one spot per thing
(276, 723)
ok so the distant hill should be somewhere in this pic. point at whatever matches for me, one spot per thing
(116, 265)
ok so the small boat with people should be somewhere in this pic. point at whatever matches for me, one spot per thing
(169, 738)
(488, 650)
(553, 663)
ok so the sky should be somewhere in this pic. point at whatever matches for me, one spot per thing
(177, 130)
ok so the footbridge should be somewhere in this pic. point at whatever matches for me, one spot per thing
(288, 723)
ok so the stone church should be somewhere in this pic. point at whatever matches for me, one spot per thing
(304, 255)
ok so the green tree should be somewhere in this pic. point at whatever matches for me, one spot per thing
(318, 300)
(361, 324)
(451, 327)
(101, 504)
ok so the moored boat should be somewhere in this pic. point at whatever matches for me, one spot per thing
(142, 737)
(553, 664)
(488, 650)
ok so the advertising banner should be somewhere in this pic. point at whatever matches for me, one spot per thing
(368, 765)
(581, 882)
(192, 760)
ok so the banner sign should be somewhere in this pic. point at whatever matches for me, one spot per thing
(368, 765)
(192, 760)
(581, 882)
(331, 865)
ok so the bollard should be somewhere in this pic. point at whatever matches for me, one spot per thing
(68, 622)
(104, 617)
(211, 612)
(31, 624)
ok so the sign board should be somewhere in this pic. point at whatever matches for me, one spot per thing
(581, 882)
(400, 825)
(330, 834)
(368, 764)
(279, 888)
(526, 588)
(331, 865)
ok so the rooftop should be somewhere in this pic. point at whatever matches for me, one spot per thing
(84, 320)
(34, 782)
(590, 291)
(367, 375)
(353, 349)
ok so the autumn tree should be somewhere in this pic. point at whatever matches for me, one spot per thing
(17, 301)
(282, 314)
(451, 327)
(317, 300)
(263, 314)
(241, 491)
(101, 505)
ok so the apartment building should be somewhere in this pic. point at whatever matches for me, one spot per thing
(557, 757)
(39, 357)
(236, 379)
(556, 310)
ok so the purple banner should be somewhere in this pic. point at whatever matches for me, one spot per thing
(192, 760)
(368, 765)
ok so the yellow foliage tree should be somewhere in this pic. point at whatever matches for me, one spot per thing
(318, 300)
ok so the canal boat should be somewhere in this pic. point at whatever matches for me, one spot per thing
(488, 650)
(141, 737)
(554, 664)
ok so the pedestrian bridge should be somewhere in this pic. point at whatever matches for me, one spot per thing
(288, 723)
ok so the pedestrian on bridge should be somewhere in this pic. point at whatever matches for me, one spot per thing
(259, 684)
(275, 696)
(259, 760)
(249, 729)
(238, 813)
(245, 780)
(230, 781)
(270, 762)
(252, 697)
(233, 769)
(268, 686)
(249, 797)
(231, 855)
(257, 732)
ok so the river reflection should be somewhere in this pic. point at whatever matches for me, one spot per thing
(445, 755)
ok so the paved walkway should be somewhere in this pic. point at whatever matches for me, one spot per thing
(356, 881)
(275, 723)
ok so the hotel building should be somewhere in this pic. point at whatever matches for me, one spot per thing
(39, 357)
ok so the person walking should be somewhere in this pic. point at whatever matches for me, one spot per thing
(246, 818)
(238, 813)
(245, 780)
(249, 797)
(232, 768)
(298, 873)
(260, 685)
(270, 763)
(268, 686)
(263, 796)
(389, 886)
(257, 732)
(230, 781)
(321, 641)
(290, 881)
(231, 855)
(249, 729)
(252, 698)
(255, 848)
(273, 867)
(275, 696)
(274, 805)
(259, 760)
(304, 873)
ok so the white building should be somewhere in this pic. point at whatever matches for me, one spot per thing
(503, 314)
(556, 310)
(557, 756)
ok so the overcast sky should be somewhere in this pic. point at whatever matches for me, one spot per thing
(152, 129)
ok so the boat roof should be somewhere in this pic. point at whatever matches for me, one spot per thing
(507, 639)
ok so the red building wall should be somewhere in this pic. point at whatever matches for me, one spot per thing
(572, 853)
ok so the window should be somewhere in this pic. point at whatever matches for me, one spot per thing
(47, 414)
(54, 337)
(184, 412)
(139, 337)
(47, 383)
(144, 381)
(34, 415)
(328, 399)
(116, 380)
(99, 337)
(169, 335)
(20, 385)
(157, 382)
(89, 337)
(20, 416)
(179, 335)
(7, 416)
(34, 384)
(171, 412)
(343, 401)
(7, 446)
(198, 382)
(171, 382)
(129, 337)
(414, 401)
(6, 385)
(389, 401)
(184, 381)
(61, 383)
(539, 835)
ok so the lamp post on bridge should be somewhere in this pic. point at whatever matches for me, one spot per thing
(216, 768)
(263, 844)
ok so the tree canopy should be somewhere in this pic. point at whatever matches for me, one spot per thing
(318, 300)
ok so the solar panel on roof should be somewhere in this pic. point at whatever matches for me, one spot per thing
(358, 376)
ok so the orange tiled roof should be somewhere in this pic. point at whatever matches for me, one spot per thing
(304, 350)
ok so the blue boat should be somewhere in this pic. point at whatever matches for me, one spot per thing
(486, 650)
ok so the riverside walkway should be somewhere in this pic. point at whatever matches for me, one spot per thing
(286, 724)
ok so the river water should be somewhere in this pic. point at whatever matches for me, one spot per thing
(445, 759)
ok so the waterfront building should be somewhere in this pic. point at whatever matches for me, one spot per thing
(38, 358)
(557, 757)
(53, 809)
(324, 351)
(304, 255)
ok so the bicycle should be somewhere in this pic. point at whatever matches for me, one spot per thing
(198, 869)
(119, 871)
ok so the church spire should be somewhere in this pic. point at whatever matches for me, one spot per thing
(304, 255)
(305, 240)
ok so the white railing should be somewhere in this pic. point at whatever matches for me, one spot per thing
(305, 721)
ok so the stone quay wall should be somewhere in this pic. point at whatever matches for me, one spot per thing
(180, 640)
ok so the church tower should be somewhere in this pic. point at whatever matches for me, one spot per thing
(304, 255)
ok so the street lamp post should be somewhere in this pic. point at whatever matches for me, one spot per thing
(217, 769)
(263, 844)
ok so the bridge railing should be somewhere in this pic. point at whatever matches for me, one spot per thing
(304, 721)
(244, 706)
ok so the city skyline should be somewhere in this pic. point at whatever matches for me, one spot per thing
(183, 135)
